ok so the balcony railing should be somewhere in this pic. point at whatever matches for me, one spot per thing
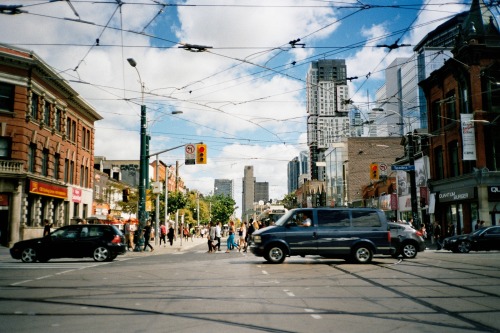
(14, 167)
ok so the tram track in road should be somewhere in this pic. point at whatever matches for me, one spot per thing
(434, 282)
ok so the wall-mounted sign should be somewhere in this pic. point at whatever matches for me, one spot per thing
(49, 190)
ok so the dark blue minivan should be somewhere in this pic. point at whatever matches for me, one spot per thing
(354, 234)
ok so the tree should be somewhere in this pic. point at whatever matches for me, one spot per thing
(223, 207)
(290, 201)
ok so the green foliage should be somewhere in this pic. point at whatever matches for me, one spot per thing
(290, 201)
(223, 207)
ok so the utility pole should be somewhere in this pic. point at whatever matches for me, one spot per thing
(413, 183)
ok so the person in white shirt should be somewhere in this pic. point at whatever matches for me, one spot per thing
(218, 235)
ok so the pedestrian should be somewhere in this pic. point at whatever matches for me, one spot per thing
(476, 226)
(129, 236)
(218, 234)
(230, 239)
(481, 224)
(437, 234)
(423, 230)
(450, 231)
(46, 228)
(250, 230)
(163, 234)
(211, 238)
(185, 232)
(243, 236)
(147, 237)
(170, 235)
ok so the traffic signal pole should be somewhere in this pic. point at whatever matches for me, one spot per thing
(413, 183)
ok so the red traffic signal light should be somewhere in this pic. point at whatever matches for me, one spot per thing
(201, 153)
(374, 175)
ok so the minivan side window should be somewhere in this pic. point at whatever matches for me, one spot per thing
(365, 219)
(333, 218)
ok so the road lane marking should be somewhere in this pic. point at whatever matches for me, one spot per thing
(20, 282)
(315, 316)
(265, 273)
(289, 293)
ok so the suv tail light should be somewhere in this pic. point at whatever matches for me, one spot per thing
(116, 239)
(419, 233)
(389, 236)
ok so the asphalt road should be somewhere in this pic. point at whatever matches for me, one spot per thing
(185, 289)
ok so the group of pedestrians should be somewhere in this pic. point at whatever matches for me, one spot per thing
(214, 235)
(131, 235)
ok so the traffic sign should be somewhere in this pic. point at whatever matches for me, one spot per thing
(403, 167)
(190, 151)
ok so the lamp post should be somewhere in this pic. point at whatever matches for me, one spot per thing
(143, 163)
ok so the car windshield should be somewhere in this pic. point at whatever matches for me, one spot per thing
(282, 220)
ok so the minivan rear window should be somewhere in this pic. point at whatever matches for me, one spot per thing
(333, 218)
(365, 219)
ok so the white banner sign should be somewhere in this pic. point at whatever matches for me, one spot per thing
(468, 137)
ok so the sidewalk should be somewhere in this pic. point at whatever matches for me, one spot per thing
(176, 247)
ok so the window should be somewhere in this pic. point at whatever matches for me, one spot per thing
(333, 218)
(68, 128)
(365, 219)
(45, 162)
(57, 120)
(436, 117)
(57, 159)
(66, 170)
(451, 114)
(82, 175)
(438, 163)
(71, 172)
(5, 148)
(453, 159)
(34, 106)
(31, 158)
(46, 113)
(6, 97)
(73, 131)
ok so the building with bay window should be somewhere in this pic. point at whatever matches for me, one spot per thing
(46, 147)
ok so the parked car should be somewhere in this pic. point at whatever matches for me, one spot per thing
(406, 240)
(98, 241)
(355, 234)
(483, 239)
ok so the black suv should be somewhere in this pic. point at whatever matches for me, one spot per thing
(99, 241)
(350, 233)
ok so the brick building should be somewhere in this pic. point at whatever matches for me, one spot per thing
(463, 105)
(46, 147)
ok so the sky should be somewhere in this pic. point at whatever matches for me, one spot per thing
(243, 94)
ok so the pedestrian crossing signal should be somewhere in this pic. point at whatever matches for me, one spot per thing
(201, 153)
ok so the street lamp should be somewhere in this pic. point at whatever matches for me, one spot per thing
(143, 163)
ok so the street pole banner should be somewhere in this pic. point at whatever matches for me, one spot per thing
(468, 137)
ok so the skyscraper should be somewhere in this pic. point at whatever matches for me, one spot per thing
(224, 187)
(327, 105)
(293, 170)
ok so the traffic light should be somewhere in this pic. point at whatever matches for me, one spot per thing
(374, 175)
(201, 153)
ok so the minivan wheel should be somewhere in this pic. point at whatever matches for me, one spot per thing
(28, 255)
(409, 250)
(101, 253)
(362, 254)
(275, 254)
